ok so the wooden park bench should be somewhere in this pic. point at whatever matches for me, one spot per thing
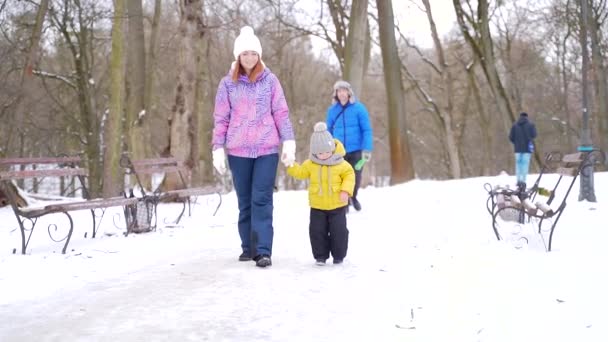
(521, 206)
(165, 166)
(32, 168)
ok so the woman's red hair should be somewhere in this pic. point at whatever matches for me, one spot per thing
(239, 70)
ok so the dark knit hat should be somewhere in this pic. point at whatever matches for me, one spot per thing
(321, 140)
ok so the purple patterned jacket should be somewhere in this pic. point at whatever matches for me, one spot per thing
(251, 119)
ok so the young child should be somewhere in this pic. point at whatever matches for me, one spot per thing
(332, 181)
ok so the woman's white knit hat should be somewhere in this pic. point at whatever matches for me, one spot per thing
(247, 41)
(321, 140)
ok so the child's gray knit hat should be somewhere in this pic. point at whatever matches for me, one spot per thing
(321, 140)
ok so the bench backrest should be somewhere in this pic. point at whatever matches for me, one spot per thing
(67, 166)
(571, 164)
(158, 165)
(27, 169)
(150, 166)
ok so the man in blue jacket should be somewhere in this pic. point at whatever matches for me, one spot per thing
(522, 136)
(348, 121)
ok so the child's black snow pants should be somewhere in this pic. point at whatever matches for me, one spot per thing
(328, 233)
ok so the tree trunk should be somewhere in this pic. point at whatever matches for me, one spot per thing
(402, 165)
(482, 45)
(27, 76)
(338, 17)
(112, 184)
(354, 56)
(136, 123)
(600, 82)
(184, 122)
(26, 86)
(445, 114)
(150, 101)
(199, 144)
(17, 121)
(77, 42)
(565, 90)
(206, 120)
(484, 122)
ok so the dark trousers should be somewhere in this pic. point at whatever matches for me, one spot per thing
(253, 180)
(352, 158)
(328, 233)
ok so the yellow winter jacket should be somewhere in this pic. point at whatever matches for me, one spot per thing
(326, 182)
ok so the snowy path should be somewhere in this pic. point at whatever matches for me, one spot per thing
(412, 274)
(209, 296)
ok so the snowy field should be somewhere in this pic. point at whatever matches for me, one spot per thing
(423, 265)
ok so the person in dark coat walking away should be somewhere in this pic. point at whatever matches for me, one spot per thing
(348, 121)
(332, 181)
(522, 135)
(251, 120)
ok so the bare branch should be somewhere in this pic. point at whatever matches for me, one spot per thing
(64, 79)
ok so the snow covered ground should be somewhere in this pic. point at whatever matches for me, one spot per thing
(423, 265)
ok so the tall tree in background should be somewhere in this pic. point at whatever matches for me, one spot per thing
(184, 116)
(445, 113)
(75, 27)
(475, 28)
(150, 95)
(354, 55)
(112, 184)
(353, 51)
(402, 166)
(597, 15)
(27, 79)
(136, 128)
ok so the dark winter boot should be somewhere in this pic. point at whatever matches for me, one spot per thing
(320, 262)
(521, 186)
(245, 256)
(356, 204)
(263, 260)
(338, 261)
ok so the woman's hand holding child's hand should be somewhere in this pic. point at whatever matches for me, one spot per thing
(344, 196)
(288, 157)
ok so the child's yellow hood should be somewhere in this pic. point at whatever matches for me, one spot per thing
(339, 148)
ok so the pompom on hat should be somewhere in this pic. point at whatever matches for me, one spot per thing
(321, 140)
(247, 41)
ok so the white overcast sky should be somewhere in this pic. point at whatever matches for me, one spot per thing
(409, 16)
(411, 19)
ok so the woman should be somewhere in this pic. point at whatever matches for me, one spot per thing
(251, 120)
(348, 121)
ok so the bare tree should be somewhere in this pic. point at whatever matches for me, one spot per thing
(597, 16)
(136, 113)
(113, 132)
(74, 26)
(26, 84)
(445, 114)
(475, 27)
(151, 59)
(184, 116)
(402, 166)
(16, 121)
(354, 60)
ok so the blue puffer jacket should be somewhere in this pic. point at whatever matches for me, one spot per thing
(351, 125)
